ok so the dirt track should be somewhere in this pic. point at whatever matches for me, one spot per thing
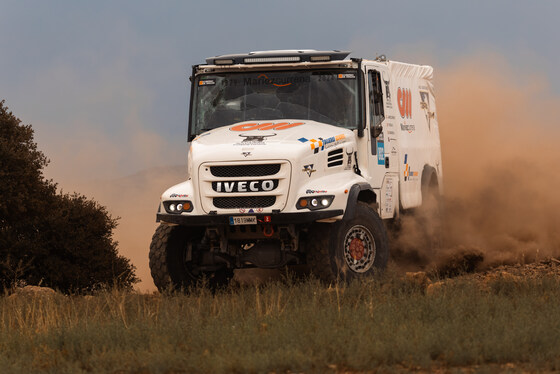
(543, 268)
(549, 267)
(432, 282)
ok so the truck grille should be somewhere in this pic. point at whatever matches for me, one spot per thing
(255, 170)
(244, 202)
(230, 187)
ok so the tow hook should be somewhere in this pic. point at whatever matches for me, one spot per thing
(268, 231)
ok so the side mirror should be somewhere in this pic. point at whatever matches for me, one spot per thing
(376, 130)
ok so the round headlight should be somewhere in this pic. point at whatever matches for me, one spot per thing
(314, 202)
(172, 207)
(179, 207)
(325, 202)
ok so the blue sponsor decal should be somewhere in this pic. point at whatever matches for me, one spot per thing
(303, 140)
(380, 153)
(409, 174)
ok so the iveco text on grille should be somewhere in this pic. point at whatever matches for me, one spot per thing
(245, 186)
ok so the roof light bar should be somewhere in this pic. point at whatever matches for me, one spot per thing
(319, 58)
(223, 61)
(283, 56)
(264, 60)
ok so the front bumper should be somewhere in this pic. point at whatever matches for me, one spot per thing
(223, 219)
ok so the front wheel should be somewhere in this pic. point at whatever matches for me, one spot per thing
(349, 249)
(174, 260)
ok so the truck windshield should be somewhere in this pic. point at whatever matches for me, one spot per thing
(328, 96)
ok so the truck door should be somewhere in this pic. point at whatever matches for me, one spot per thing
(383, 138)
(383, 163)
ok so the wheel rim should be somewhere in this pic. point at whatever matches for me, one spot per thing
(359, 249)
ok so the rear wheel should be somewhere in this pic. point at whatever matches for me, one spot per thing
(349, 249)
(174, 260)
(431, 215)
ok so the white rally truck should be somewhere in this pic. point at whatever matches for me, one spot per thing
(297, 157)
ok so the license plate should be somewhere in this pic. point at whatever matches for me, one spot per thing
(243, 220)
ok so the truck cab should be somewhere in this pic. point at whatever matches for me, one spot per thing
(297, 157)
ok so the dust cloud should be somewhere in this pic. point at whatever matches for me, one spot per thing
(499, 132)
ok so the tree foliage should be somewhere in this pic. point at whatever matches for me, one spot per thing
(58, 240)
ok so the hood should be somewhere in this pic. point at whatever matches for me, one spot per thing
(279, 139)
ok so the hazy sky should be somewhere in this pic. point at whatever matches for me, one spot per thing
(104, 83)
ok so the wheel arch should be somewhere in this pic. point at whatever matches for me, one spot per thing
(429, 178)
(359, 192)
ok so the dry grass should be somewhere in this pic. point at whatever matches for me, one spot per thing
(390, 324)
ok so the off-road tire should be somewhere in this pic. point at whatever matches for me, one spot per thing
(431, 217)
(167, 261)
(328, 246)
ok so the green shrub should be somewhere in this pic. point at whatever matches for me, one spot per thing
(57, 240)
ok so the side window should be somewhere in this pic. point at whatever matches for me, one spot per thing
(376, 113)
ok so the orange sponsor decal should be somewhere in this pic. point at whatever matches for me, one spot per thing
(245, 127)
(404, 99)
(265, 126)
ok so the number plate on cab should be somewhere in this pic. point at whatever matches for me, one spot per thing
(243, 220)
